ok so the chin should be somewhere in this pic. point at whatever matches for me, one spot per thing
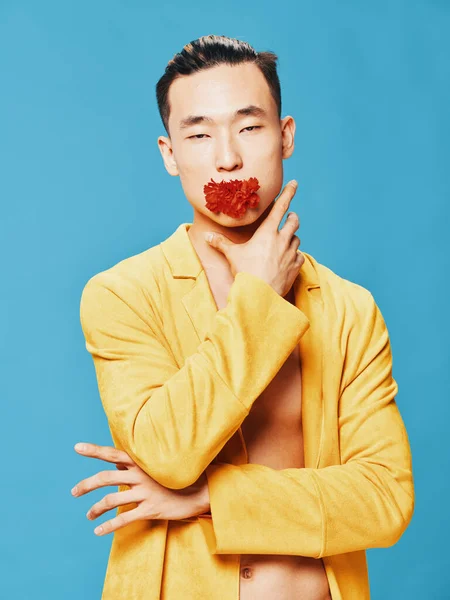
(250, 215)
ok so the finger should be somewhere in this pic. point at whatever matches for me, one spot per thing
(107, 453)
(219, 242)
(111, 501)
(103, 479)
(300, 258)
(121, 520)
(280, 207)
(294, 244)
(291, 225)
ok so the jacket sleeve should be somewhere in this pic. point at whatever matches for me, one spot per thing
(367, 501)
(173, 421)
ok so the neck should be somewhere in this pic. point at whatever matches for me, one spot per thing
(208, 255)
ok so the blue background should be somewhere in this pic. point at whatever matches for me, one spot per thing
(83, 185)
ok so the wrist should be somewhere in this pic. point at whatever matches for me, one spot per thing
(203, 498)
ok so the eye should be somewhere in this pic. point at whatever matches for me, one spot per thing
(198, 136)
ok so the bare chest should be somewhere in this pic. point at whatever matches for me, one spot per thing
(273, 437)
(273, 428)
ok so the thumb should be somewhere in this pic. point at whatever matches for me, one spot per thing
(218, 241)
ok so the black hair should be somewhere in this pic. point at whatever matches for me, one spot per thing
(210, 51)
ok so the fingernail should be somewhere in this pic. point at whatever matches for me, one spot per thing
(80, 447)
(208, 237)
(74, 490)
(294, 182)
(98, 529)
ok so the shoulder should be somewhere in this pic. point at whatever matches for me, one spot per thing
(351, 315)
(345, 296)
(353, 320)
(131, 282)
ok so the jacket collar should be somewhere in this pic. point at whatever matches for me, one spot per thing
(184, 262)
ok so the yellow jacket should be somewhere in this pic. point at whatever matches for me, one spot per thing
(176, 379)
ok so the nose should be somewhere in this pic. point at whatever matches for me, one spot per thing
(228, 157)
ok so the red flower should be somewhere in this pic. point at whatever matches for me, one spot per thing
(232, 197)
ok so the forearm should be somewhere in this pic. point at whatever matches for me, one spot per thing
(308, 512)
(173, 421)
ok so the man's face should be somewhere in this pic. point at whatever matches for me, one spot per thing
(230, 146)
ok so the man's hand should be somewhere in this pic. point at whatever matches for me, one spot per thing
(269, 254)
(154, 500)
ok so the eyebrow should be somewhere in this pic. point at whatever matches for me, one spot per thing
(250, 110)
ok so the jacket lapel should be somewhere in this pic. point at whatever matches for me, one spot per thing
(184, 263)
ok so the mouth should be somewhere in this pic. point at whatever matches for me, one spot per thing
(232, 197)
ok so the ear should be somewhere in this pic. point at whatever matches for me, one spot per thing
(287, 134)
(165, 147)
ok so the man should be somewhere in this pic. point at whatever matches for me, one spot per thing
(248, 388)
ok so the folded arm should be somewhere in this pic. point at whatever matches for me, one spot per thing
(365, 502)
(173, 421)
